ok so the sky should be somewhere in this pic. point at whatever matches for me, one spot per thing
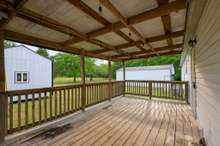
(52, 53)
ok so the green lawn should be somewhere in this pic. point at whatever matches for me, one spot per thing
(60, 81)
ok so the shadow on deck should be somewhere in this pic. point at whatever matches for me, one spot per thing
(127, 121)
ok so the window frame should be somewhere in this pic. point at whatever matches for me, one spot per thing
(22, 77)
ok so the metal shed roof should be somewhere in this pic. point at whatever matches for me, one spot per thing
(121, 30)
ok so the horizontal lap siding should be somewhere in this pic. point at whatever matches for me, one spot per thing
(208, 72)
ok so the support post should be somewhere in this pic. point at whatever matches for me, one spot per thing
(3, 98)
(187, 92)
(124, 77)
(82, 73)
(150, 89)
(109, 79)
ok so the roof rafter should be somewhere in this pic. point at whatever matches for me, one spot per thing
(166, 48)
(166, 21)
(27, 39)
(123, 20)
(89, 11)
(53, 24)
(147, 15)
(149, 40)
(152, 55)
(19, 4)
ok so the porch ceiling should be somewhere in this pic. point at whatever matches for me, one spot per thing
(154, 27)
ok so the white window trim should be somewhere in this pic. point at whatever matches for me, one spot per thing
(22, 79)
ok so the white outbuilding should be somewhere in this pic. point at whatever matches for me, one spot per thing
(25, 69)
(157, 72)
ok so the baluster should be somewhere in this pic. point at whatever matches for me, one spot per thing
(11, 107)
(55, 102)
(60, 105)
(33, 108)
(39, 105)
(19, 111)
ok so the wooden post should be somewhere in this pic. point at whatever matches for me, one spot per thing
(187, 92)
(110, 79)
(82, 72)
(124, 77)
(150, 89)
(3, 98)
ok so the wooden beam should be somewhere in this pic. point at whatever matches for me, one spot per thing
(109, 79)
(166, 21)
(124, 76)
(83, 82)
(3, 98)
(19, 3)
(149, 40)
(90, 12)
(147, 15)
(27, 39)
(55, 25)
(123, 20)
(166, 48)
(4, 22)
(153, 55)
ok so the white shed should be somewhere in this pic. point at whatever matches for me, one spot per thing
(25, 69)
(159, 72)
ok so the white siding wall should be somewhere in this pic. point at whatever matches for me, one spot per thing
(186, 69)
(156, 74)
(23, 59)
(207, 68)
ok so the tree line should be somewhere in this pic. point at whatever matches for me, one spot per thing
(68, 65)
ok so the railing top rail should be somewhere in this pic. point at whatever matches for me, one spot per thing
(159, 81)
(39, 90)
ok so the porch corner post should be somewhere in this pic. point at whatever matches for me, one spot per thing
(187, 92)
(124, 77)
(109, 79)
(150, 89)
(82, 73)
(3, 98)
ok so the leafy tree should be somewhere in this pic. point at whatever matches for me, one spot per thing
(101, 71)
(43, 52)
(8, 44)
(66, 65)
(90, 67)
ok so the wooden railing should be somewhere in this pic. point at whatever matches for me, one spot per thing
(158, 89)
(28, 108)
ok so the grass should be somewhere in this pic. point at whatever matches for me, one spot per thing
(61, 81)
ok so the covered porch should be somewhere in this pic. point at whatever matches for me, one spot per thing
(133, 112)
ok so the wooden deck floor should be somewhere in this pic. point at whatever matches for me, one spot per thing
(131, 122)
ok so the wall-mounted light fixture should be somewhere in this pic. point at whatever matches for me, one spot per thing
(192, 42)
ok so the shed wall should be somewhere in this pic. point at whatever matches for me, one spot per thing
(156, 74)
(22, 59)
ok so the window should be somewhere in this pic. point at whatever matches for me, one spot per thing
(21, 77)
(25, 77)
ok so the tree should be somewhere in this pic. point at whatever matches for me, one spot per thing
(8, 44)
(67, 65)
(90, 67)
(101, 71)
(43, 52)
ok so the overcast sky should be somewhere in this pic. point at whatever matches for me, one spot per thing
(52, 53)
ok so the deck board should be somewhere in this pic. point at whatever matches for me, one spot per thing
(132, 122)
